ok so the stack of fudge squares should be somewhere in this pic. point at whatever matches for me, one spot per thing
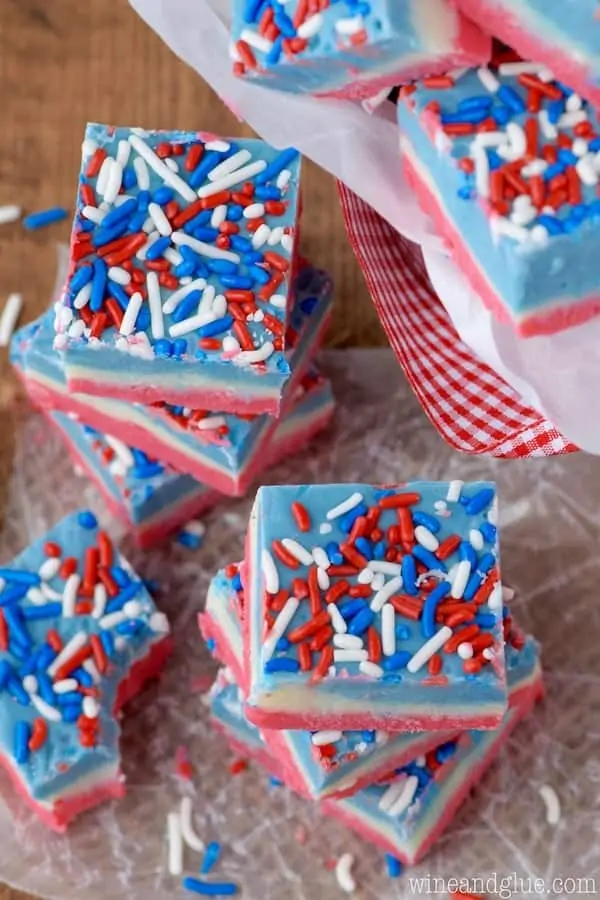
(177, 363)
(369, 658)
(498, 119)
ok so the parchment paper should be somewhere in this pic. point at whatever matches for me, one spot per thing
(557, 375)
(551, 519)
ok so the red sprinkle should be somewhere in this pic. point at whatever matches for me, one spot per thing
(52, 549)
(39, 734)
(301, 516)
(238, 766)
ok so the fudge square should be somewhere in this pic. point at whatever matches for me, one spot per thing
(181, 266)
(79, 636)
(350, 48)
(563, 36)
(374, 607)
(504, 161)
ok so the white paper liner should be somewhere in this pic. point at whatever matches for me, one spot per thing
(550, 510)
(557, 375)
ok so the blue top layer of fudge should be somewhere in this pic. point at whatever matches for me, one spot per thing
(69, 589)
(353, 589)
(294, 49)
(181, 211)
(511, 155)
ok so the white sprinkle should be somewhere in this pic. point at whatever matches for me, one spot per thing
(260, 238)
(175, 299)
(426, 538)
(206, 301)
(219, 306)
(70, 595)
(88, 148)
(502, 226)
(482, 171)
(495, 600)
(230, 344)
(257, 41)
(283, 179)
(440, 506)
(103, 176)
(384, 594)
(490, 139)
(388, 630)
(133, 609)
(461, 577)
(77, 329)
(487, 653)
(345, 506)
(162, 224)
(407, 795)
(159, 623)
(82, 297)
(488, 80)
(579, 148)
(325, 528)
(320, 557)
(170, 178)
(321, 738)
(210, 423)
(350, 25)
(518, 68)
(343, 873)
(174, 257)
(310, 27)
(392, 793)
(508, 593)
(155, 303)
(550, 798)
(548, 129)
(229, 165)
(218, 146)
(49, 568)
(338, 622)
(287, 242)
(254, 211)
(371, 669)
(119, 275)
(535, 167)
(186, 326)
(76, 643)
(30, 683)
(465, 650)
(279, 627)
(175, 842)
(9, 213)
(388, 568)
(181, 238)
(141, 173)
(586, 169)
(65, 685)
(348, 656)
(121, 449)
(91, 707)
(123, 153)
(171, 164)
(476, 539)
(270, 573)
(219, 215)
(49, 593)
(187, 829)
(36, 596)
(113, 182)
(131, 313)
(365, 576)
(152, 239)
(237, 177)
(45, 710)
(261, 354)
(275, 236)
(492, 513)
(196, 527)
(518, 139)
(112, 619)
(573, 103)
(454, 491)
(378, 581)
(348, 642)
(8, 318)
(429, 649)
(298, 551)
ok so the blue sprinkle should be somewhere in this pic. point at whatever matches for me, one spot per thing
(260, 275)
(485, 620)
(143, 201)
(483, 101)
(446, 751)
(13, 593)
(333, 552)
(480, 501)
(473, 585)
(87, 519)
(116, 215)
(206, 889)
(222, 266)
(183, 270)
(379, 550)
(430, 522)
(189, 540)
(22, 737)
(81, 277)
(430, 606)
(550, 223)
(346, 521)
(282, 645)
(6, 672)
(465, 193)
(44, 217)
(108, 644)
(235, 212)
(46, 611)
(216, 327)
(285, 159)
(275, 782)
(352, 607)
(187, 306)
(486, 562)
(20, 576)
(212, 854)
(16, 690)
(501, 115)
(206, 165)
(409, 575)
(274, 54)
(68, 698)
(252, 257)
(83, 677)
(129, 178)
(179, 347)
(130, 628)
(71, 713)
(394, 866)
(163, 195)
(17, 627)
(115, 290)
(121, 577)
(237, 282)
(208, 235)
(428, 558)
(45, 688)
(567, 156)
(488, 531)
(157, 249)
(281, 665)
(198, 221)
(594, 144)
(237, 583)
(211, 644)
(509, 96)
(268, 192)
(467, 551)
(552, 171)
(363, 545)
(148, 470)
(136, 222)
(555, 110)
(17, 650)
(361, 621)
(397, 661)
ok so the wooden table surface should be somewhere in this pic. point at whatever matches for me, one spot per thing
(70, 61)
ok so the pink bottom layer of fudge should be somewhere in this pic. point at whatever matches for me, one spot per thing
(557, 317)
(211, 631)
(526, 700)
(61, 812)
(563, 64)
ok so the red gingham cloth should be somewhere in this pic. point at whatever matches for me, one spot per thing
(471, 406)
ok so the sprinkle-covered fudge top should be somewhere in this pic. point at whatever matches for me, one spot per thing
(527, 147)
(182, 246)
(74, 617)
(392, 583)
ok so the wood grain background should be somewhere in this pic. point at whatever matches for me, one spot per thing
(66, 62)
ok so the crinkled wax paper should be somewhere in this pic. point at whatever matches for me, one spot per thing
(551, 521)
(557, 375)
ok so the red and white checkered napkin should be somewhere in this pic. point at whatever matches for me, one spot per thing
(473, 408)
